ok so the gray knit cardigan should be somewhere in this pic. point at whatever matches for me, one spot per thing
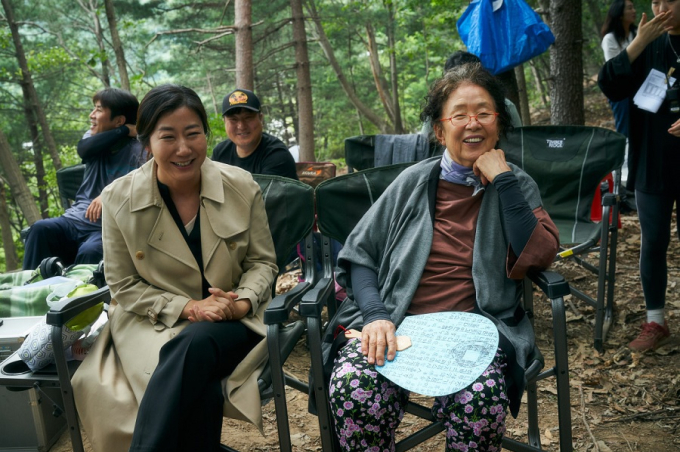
(395, 237)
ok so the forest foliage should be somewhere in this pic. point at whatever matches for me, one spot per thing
(70, 54)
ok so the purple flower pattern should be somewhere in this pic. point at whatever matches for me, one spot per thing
(367, 408)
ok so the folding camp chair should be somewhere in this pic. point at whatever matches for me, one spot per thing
(68, 181)
(568, 163)
(370, 151)
(340, 204)
(290, 211)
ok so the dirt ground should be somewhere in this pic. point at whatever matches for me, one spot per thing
(620, 401)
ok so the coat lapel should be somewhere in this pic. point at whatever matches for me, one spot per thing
(145, 199)
(223, 217)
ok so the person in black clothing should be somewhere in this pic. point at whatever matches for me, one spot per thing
(654, 153)
(109, 150)
(248, 147)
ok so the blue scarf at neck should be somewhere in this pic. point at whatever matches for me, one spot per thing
(459, 174)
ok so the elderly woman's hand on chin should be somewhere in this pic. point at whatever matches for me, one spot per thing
(375, 337)
(490, 164)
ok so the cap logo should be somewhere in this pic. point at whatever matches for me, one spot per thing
(238, 97)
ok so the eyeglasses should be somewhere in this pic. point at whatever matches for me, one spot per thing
(463, 120)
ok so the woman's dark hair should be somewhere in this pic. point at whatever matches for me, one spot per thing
(613, 23)
(165, 99)
(473, 74)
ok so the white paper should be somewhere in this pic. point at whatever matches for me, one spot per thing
(652, 93)
(449, 351)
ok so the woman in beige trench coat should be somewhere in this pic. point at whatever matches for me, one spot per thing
(183, 346)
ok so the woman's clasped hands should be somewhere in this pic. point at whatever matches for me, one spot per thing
(218, 307)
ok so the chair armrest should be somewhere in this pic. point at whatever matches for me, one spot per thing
(67, 309)
(279, 309)
(313, 302)
(534, 369)
(609, 199)
(552, 284)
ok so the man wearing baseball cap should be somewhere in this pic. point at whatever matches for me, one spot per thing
(248, 147)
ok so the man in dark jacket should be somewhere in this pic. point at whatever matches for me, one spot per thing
(248, 147)
(109, 150)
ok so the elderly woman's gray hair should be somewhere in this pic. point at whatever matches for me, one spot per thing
(471, 73)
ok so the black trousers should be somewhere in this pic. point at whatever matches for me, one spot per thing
(60, 237)
(182, 407)
(655, 213)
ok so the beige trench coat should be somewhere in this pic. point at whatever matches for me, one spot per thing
(152, 275)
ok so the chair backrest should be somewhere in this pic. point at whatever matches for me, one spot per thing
(290, 210)
(369, 151)
(360, 152)
(343, 200)
(68, 180)
(567, 163)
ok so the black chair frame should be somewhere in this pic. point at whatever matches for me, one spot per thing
(322, 295)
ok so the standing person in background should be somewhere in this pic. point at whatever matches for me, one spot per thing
(618, 31)
(248, 147)
(655, 154)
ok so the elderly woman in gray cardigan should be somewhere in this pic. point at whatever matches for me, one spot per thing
(456, 233)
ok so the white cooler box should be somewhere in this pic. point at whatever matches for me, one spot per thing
(27, 423)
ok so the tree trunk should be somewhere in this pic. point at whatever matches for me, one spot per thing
(212, 92)
(509, 81)
(394, 77)
(244, 45)
(284, 113)
(523, 97)
(38, 162)
(539, 83)
(378, 78)
(27, 84)
(99, 36)
(354, 87)
(596, 16)
(11, 257)
(17, 183)
(304, 84)
(566, 63)
(363, 109)
(117, 45)
(42, 186)
(37, 154)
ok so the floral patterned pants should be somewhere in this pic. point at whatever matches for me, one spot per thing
(367, 408)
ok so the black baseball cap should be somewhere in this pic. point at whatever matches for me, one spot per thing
(240, 98)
